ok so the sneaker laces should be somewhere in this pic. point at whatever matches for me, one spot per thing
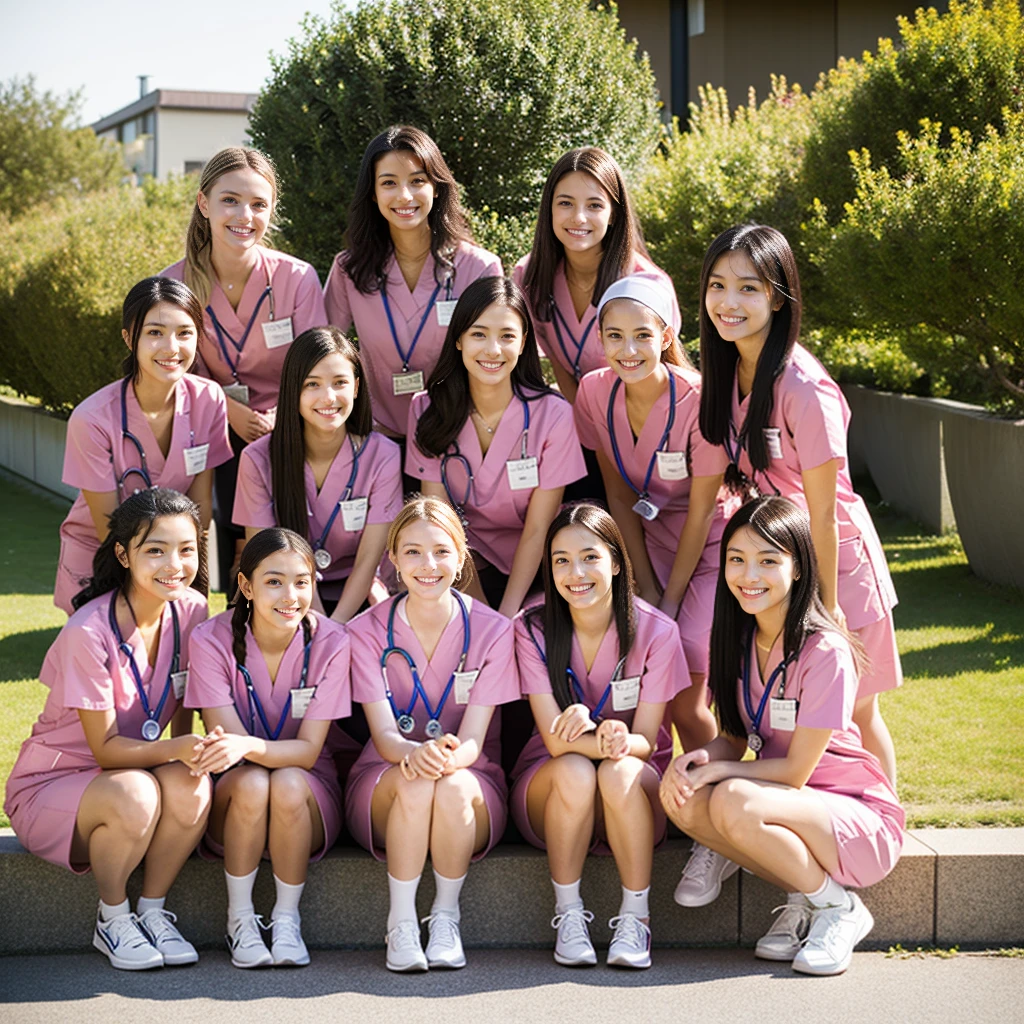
(702, 860)
(572, 924)
(159, 925)
(825, 925)
(630, 929)
(246, 932)
(286, 929)
(444, 928)
(405, 935)
(125, 928)
(790, 922)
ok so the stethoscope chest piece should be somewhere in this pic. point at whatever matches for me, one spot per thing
(406, 724)
(434, 729)
(322, 557)
(150, 730)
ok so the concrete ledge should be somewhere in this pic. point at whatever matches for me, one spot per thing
(32, 445)
(962, 887)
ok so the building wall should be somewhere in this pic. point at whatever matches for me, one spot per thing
(193, 136)
(648, 22)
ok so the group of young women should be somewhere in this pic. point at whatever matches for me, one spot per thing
(370, 670)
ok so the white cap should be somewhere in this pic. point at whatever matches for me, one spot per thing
(649, 290)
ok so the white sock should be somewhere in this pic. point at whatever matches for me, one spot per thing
(831, 894)
(567, 896)
(288, 897)
(403, 900)
(446, 897)
(146, 904)
(240, 894)
(635, 902)
(112, 910)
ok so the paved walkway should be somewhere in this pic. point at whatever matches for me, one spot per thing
(697, 986)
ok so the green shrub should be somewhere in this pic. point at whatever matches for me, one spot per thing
(857, 356)
(64, 273)
(509, 238)
(503, 86)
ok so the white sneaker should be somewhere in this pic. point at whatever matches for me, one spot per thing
(405, 951)
(631, 943)
(158, 927)
(828, 948)
(287, 948)
(246, 943)
(573, 947)
(444, 945)
(703, 876)
(785, 937)
(126, 945)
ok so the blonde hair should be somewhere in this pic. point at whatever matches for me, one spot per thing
(198, 268)
(438, 513)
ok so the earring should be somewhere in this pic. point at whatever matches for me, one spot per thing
(398, 575)
(458, 576)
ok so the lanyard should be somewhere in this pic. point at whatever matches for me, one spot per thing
(222, 332)
(151, 727)
(642, 494)
(345, 495)
(405, 721)
(574, 362)
(407, 358)
(733, 447)
(127, 435)
(255, 702)
(754, 739)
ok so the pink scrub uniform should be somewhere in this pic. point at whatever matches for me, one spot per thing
(496, 509)
(491, 652)
(411, 312)
(98, 455)
(297, 305)
(672, 495)
(809, 421)
(378, 479)
(85, 670)
(574, 342)
(215, 681)
(867, 819)
(656, 657)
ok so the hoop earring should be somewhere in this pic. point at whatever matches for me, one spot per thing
(458, 576)
(398, 575)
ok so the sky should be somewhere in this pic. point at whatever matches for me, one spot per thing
(100, 46)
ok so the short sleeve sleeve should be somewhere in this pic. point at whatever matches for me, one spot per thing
(336, 304)
(561, 461)
(333, 698)
(88, 675)
(533, 672)
(309, 310)
(386, 489)
(706, 459)
(210, 671)
(828, 683)
(585, 414)
(665, 671)
(220, 442)
(367, 682)
(814, 414)
(88, 454)
(417, 463)
(254, 504)
(498, 681)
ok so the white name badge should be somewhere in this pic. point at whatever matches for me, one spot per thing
(625, 693)
(463, 684)
(445, 308)
(672, 465)
(239, 392)
(278, 332)
(353, 514)
(179, 680)
(522, 473)
(407, 383)
(782, 713)
(300, 700)
(773, 442)
(195, 458)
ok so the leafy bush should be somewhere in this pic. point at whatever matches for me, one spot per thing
(857, 356)
(503, 86)
(64, 273)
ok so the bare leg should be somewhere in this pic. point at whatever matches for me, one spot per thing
(875, 734)
(691, 715)
(401, 815)
(239, 817)
(627, 788)
(296, 825)
(460, 825)
(560, 805)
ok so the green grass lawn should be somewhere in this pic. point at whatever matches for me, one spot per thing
(958, 721)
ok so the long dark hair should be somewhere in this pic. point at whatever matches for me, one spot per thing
(368, 245)
(287, 443)
(781, 523)
(264, 544)
(623, 240)
(133, 520)
(448, 385)
(137, 304)
(554, 618)
(773, 259)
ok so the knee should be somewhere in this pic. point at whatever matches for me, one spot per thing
(453, 797)
(251, 793)
(185, 799)
(414, 796)
(733, 809)
(619, 781)
(289, 792)
(136, 806)
(574, 780)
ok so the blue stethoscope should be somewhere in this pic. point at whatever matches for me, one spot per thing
(127, 435)
(574, 362)
(644, 506)
(755, 741)
(321, 555)
(406, 723)
(574, 681)
(256, 705)
(223, 333)
(460, 506)
(407, 357)
(733, 446)
(151, 726)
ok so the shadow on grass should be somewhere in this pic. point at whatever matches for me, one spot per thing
(982, 654)
(21, 654)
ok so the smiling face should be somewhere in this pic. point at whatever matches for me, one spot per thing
(582, 568)
(403, 191)
(330, 388)
(634, 337)
(581, 212)
(239, 206)
(163, 563)
(760, 576)
(281, 589)
(167, 344)
(739, 303)
(491, 347)
(428, 558)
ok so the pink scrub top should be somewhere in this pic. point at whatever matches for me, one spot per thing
(656, 657)
(574, 342)
(378, 479)
(381, 359)
(495, 511)
(811, 418)
(297, 297)
(97, 455)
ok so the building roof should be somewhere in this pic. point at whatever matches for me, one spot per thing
(177, 99)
